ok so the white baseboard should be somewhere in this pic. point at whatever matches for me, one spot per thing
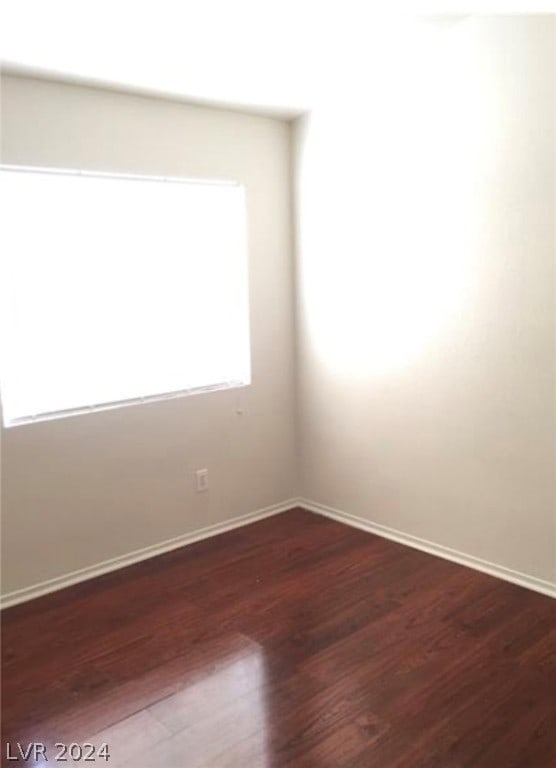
(493, 569)
(91, 571)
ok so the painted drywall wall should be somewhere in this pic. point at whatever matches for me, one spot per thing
(80, 490)
(425, 197)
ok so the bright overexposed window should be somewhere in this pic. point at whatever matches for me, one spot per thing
(118, 289)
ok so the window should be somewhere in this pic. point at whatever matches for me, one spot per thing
(118, 289)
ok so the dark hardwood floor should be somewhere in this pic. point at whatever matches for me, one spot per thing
(295, 641)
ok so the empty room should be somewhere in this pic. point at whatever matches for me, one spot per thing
(278, 385)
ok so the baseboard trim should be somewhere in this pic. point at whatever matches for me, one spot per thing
(115, 563)
(493, 569)
(99, 569)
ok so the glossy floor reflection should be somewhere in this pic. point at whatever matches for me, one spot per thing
(218, 708)
(295, 641)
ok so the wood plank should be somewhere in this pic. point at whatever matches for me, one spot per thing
(293, 642)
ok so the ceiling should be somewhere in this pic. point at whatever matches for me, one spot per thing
(269, 56)
(234, 53)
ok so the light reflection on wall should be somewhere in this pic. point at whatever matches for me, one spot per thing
(390, 203)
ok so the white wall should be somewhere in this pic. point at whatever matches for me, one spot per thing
(425, 311)
(426, 290)
(87, 488)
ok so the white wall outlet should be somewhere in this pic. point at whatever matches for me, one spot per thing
(202, 476)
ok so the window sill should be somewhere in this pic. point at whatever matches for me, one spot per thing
(53, 415)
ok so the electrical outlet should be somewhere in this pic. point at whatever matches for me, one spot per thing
(202, 476)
